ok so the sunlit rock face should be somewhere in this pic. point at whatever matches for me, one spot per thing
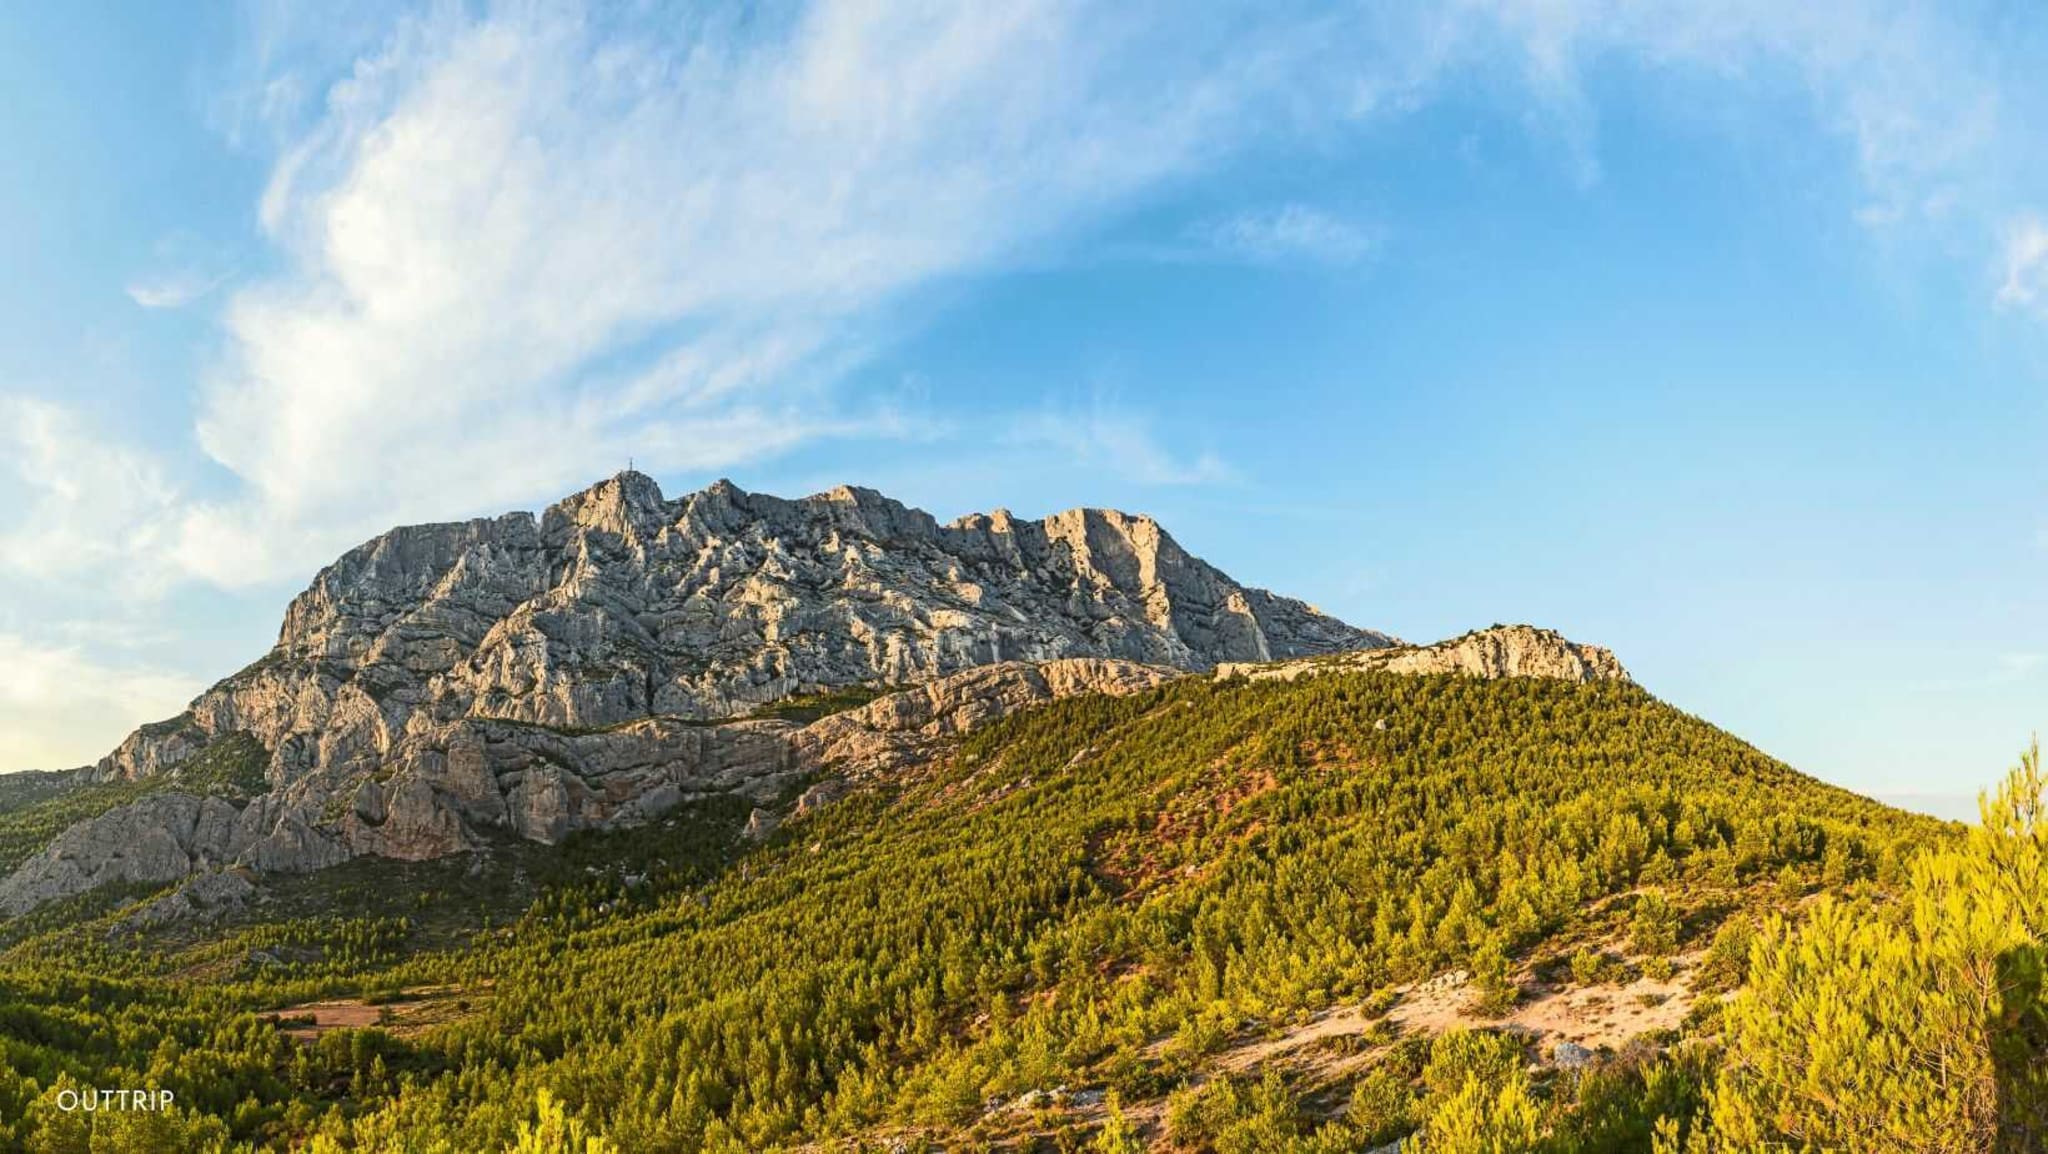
(618, 605)
(545, 675)
(1499, 651)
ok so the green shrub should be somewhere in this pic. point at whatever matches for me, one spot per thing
(1653, 926)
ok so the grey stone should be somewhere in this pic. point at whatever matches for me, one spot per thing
(205, 896)
(1500, 651)
(1570, 1056)
(595, 667)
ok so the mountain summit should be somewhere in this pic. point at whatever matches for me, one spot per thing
(618, 604)
(545, 675)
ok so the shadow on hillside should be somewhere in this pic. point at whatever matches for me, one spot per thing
(2019, 1053)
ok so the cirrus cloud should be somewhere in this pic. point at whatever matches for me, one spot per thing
(535, 237)
(1289, 232)
(515, 245)
(2026, 265)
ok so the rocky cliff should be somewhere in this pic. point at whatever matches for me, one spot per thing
(1500, 651)
(624, 654)
(617, 605)
(594, 666)
(441, 789)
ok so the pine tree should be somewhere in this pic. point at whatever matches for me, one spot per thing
(556, 1131)
(1918, 1029)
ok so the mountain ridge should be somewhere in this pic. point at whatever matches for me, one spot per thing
(595, 665)
(563, 619)
(1240, 904)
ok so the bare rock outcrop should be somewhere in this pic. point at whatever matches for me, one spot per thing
(158, 839)
(442, 788)
(204, 897)
(442, 785)
(592, 667)
(597, 666)
(1500, 651)
(904, 727)
(617, 605)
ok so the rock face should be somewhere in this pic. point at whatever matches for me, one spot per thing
(593, 668)
(155, 840)
(906, 727)
(439, 790)
(1501, 651)
(204, 897)
(617, 605)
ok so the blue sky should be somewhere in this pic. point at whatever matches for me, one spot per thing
(1714, 334)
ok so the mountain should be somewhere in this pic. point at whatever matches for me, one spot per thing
(617, 605)
(738, 824)
(557, 674)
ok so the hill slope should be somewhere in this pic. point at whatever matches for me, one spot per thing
(1205, 896)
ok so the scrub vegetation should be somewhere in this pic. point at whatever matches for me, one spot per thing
(1241, 916)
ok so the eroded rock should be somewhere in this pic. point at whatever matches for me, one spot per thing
(592, 668)
(1500, 651)
(155, 840)
(617, 605)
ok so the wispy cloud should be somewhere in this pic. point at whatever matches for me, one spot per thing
(1288, 233)
(529, 234)
(495, 211)
(184, 270)
(1922, 93)
(515, 244)
(173, 290)
(85, 504)
(1116, 440)
(63, 708)
(2026, 264)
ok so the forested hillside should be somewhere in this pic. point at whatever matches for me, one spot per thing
(1229, 915)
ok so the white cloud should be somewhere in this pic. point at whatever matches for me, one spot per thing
(1116, 440)
(87, 504)
(560, 240)
(1924, 96)
(517, 246)
(1291, 232)
(172, 290)
(61, 708)
(1907, 83)
(493, 209)
(185, 269)
(2026, 264)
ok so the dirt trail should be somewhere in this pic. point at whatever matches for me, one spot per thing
(1339, 1022)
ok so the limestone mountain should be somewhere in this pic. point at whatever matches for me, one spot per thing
(618, 605)
(550, 674)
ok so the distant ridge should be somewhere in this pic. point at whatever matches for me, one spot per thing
(1499, 651)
